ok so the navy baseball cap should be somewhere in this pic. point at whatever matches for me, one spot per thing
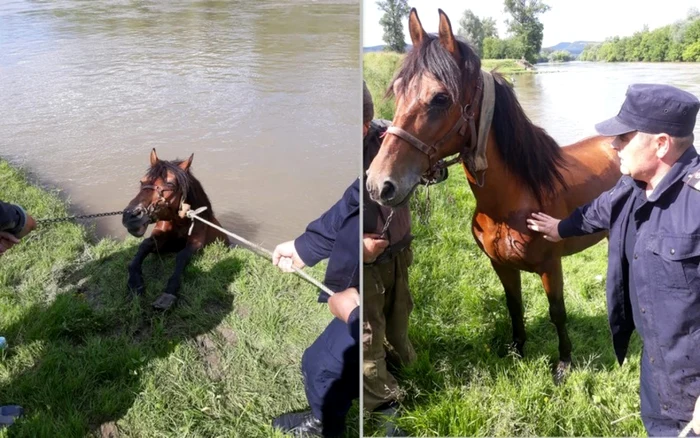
(653, 108)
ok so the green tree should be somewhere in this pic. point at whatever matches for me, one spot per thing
(489, 26)
(526, 26)
(560, 56)
(493, 48)
(692, 52)
(471, 28)
(394, 12)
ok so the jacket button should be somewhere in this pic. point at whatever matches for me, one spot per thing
(665, 407)
(644, 310)
(635, 256)
(673, 251)
(651, 359)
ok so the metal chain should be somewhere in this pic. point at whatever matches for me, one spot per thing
(387, 223)
(81, 216)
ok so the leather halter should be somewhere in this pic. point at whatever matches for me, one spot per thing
(466, 117)
(151, 209)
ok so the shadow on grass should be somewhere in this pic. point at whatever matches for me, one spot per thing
(91, 344)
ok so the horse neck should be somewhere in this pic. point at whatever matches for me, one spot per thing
(502, 192)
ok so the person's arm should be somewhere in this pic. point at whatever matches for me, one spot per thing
(589, 219)
(345, 306)
(317, 241)
(319, 238)
(13, 218)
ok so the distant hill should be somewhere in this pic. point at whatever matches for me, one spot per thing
(574, 48)
(381, 48)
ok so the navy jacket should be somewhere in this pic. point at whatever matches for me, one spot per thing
(666, 275)
(12, 218)
(336, 236)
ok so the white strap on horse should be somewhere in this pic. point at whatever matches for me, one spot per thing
(193, 214)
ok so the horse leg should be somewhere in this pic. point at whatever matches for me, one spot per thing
(553, 282)
(135, 281)
(170, 296)
(510, 278)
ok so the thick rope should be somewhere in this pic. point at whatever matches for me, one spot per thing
(193, 214)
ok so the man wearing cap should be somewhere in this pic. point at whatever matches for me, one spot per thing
(651, 214)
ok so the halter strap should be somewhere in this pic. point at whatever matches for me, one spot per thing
(460, 126)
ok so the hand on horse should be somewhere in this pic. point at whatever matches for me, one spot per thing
(285, 255)
(545, 224)
(372, 246)
(341, 304)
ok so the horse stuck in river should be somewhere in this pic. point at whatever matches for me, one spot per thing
(514, 168)
(167, 190)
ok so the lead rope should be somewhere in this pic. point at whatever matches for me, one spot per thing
(193, 214)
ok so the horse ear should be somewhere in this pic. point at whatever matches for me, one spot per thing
(447, 38)
(415, 28)
(154, 157)
(185, 165)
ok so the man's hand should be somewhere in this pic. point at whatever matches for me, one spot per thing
(372, 246)
(285, 255)
(341, 304)
(7, 241)
(29, 226)
(546, 225)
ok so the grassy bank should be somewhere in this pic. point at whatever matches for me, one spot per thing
(465, 383)
(379, 68)
(83, 354)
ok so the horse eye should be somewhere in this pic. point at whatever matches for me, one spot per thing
(440, 100)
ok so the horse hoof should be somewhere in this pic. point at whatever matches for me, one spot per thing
(164, 302)
(136, 284)
(561, 372)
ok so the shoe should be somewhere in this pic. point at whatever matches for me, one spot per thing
(8, 414)
(304, 424)
(388, 414)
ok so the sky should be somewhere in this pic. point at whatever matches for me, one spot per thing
(567, 20)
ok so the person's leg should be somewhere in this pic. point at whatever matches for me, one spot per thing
(398, 312)
(379, 386)
(330, 368)
(655, 423)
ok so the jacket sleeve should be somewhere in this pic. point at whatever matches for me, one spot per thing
(12, 218)
(590, 218)
(354, 324)
(317, 241)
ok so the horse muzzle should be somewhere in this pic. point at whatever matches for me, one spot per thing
(136, 221)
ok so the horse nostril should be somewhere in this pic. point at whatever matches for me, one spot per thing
(388, 191)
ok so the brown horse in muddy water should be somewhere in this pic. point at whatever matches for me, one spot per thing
(166, 190)
(439, 90)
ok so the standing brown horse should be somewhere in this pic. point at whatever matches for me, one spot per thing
(166, 188)
(438, 93)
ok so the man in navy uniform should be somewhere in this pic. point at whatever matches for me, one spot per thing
(652, 215)
(331, 365)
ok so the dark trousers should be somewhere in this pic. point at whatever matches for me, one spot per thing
(656, 422)
(331, 369)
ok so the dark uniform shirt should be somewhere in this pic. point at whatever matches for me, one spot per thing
(660, 291)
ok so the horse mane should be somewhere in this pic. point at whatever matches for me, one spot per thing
(527, 150)
(186, 184)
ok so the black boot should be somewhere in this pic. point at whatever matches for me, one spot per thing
(304, 424)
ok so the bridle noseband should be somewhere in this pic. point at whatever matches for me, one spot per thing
(154, 206)
(466, 117)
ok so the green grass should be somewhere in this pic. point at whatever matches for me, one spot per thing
(464, 382)
(379, 69)
(82, 352)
